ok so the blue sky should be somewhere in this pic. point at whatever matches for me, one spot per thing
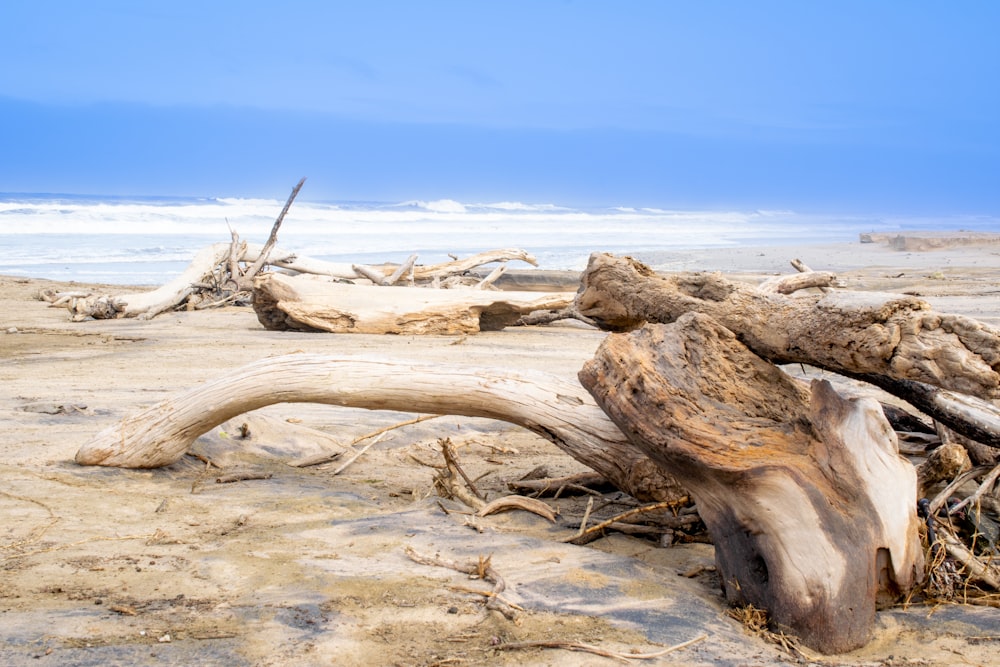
(890, 107)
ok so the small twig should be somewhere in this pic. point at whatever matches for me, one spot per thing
(593, 532)
(482, 569)
(941, 498)
(398, 273)
(984, 487)
(451, 458)
(241, 476)
(518, 502)
(586, 517)
(587, 648)
(315, 459)
(378, 435)
(386, 429)
(358, 454)
(272, 238)
(493, 276)
(977, 570)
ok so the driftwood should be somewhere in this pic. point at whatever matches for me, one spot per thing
(895, 336)
(284, 302)
(810, 507)
(894, 341)
(555, 408)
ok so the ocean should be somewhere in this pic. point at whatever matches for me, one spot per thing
(147, 241)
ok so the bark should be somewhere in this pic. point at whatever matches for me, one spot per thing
(555, 408)
(895, 336)
(809, 504)
(283, 302)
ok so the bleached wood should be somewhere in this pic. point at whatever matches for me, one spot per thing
(555, 408)
(284, 302)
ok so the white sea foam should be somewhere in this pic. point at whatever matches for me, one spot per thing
(121, 240)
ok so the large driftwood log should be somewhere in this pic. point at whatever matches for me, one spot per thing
(896, 336)
(284, 302)
(810, 507)
(555, 408)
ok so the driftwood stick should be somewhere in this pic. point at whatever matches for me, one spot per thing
(359, 453)
(987, 573)
(483, 569)
(369, 273)
(941, 498)
(556, 408)
(984, 487)
(246, 280)
(592, 533)
(504, 503)
(492, 277)
(596, 650)
(451, 460)
(398, 273)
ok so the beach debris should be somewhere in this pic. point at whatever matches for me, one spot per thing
(693, 388)
(223, 274)
(579, 483)
(799, 488)
(481, 569)
(451, 481)
(596, 650)
(505, 503)
(947, 366)
(303, 304)
(586, 534)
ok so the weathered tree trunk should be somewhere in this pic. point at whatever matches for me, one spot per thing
(810, 507)
(854, 332)
(557, 409)
(283, 302)
(146, 305)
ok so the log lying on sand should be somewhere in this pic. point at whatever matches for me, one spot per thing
(895, 342)
(146, 305)
(809, 505)
(555, 408)
(895, 336)
(284, 302)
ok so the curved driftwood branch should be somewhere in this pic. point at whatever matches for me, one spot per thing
(557, 409)
(896, 336)
(811, 508)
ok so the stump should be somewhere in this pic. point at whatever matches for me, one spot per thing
(809, 504)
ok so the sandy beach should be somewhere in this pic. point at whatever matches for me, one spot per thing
(105, 566)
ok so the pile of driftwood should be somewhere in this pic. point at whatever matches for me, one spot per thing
(811, 507)
(315, 295)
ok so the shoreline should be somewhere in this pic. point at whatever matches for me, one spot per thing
(101, 564)
(919, 248)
